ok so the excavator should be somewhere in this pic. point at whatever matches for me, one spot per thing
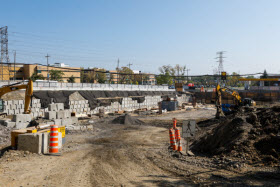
(14, 87)
(223, 109)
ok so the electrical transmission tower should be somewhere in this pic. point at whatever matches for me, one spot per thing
(129, 65)
(220, 60)
(4, 51)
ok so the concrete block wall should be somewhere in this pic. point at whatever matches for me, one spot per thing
(80, 106)
(12, 107)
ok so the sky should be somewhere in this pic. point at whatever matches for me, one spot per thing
(146, 33)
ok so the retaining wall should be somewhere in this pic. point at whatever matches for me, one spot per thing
(82, 106)
(90, 86)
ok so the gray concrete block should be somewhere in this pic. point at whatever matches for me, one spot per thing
(66, 122)
(52, 107)
(21, 125)
(60, 114)
(31, 142)
(57, 122)
(45, 143)
(20, 102)
(60, 106)
(35, 114)
(10, 102)
(15, 102)
(13, 107)
(21, 118)
(16, 111)
(50, 115)
(74, 120)
(10, 124)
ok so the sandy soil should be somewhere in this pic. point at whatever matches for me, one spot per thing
(125, 155)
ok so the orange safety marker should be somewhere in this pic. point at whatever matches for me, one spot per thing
(172, 139)
(53, 143)
(177, 134)
(180, 146)
(174, 122)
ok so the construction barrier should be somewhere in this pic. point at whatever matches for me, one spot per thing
(53, 143)
(175, 138)
(174, 123)
(178, 139)
(180, 148)
(172, 139)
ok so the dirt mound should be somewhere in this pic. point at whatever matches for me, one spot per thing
(4, 135)
(127, 120)
(253, 135)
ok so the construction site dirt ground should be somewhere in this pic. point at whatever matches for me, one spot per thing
(128, 155)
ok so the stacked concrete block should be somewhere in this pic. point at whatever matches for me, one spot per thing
(21, 121)
(59, 116)
(12, 107)
(50, 115)
(80, 107)
(35, 108)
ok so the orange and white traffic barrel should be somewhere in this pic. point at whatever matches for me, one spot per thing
(180, 148)
(53, 143)
(172, 139)
(177, 134)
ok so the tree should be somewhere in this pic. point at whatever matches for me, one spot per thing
(35, 76)
(100, 76)
(180, 71)
(83, 75)
(265, 76)
(164, 77)
(71, 79)
(125, 76)
(234, 80)
(56, 75)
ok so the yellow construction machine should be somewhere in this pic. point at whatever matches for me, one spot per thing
(14, 87)
(228, 108)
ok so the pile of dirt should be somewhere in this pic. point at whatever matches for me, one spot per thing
(250, 135)
(4, 135)
(127, 120)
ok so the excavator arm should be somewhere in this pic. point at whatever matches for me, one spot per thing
(28, 93)
(219, 91)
